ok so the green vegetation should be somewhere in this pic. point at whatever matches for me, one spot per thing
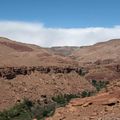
(27, 111)
(99, 84)
(18, 112)
(62, 100)
(86, 94)
(42, 111)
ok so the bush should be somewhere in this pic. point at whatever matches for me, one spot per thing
(62, 100)
(45, 110)
(86, 94)
(99, 84)
(18, 112)
(27, 110)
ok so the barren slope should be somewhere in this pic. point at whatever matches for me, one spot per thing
(18, 54)
(99, 51)
(109, 50)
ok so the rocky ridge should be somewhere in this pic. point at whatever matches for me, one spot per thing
(12, 72)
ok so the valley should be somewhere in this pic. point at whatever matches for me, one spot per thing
(39, 74)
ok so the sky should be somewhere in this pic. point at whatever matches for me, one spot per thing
(60, 22)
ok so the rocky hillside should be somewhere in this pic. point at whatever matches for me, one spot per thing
(15, 86)
(109, 50)
(29, 71)
(104, 106)
(18, 54)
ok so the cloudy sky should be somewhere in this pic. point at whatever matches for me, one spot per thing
(60, 22)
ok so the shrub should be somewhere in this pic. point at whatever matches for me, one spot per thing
(62, 100)
(18, 112)
(99, 84)
(27, 110)
(59, 99)
(86, 94)
(45, 110)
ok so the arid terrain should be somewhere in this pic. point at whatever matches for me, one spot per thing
(32, 72)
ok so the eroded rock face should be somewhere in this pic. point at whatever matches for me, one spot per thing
(12, 72)
(106, 99)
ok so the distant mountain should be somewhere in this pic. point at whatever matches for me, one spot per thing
(12, 53)
(63, 51)
(17, 54)
(99, 51)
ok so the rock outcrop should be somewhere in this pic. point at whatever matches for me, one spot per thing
(12, 72)
(104, 106)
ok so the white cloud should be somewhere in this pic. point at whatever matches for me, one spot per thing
(37, 33)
